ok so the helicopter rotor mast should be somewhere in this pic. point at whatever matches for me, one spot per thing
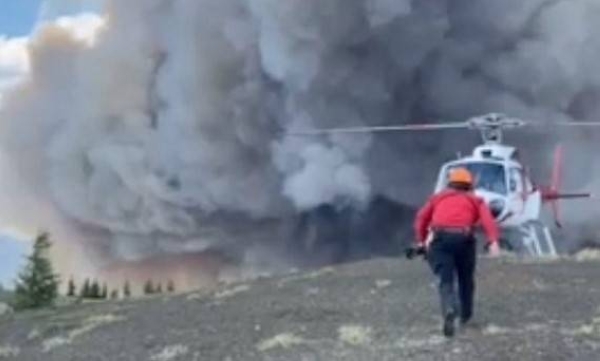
(491, 126)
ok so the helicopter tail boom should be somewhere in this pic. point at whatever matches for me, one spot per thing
(552, 196)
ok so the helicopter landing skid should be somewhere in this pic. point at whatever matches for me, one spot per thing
(532, 239)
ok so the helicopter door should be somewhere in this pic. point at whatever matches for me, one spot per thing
(517, 190)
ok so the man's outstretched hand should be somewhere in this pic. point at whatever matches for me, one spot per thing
(494, 249)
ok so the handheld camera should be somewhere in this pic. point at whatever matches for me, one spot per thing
(415, 251)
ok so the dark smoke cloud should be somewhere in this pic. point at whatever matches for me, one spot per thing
(167, 133)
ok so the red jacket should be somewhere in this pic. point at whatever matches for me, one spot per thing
(451, 208)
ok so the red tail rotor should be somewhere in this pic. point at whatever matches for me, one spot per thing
(556, 184)
(552, 193)
(557, 168)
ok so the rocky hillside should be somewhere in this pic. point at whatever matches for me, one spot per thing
(377, 310)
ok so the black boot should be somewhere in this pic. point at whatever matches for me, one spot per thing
(449, 326)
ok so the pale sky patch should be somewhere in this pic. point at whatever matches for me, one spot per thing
(84, 26)
(14, 57)
(14, 62)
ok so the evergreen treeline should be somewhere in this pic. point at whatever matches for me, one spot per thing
(37, 285)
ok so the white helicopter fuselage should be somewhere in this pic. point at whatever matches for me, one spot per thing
(501, 181)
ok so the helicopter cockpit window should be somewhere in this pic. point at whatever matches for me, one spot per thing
(487, 176)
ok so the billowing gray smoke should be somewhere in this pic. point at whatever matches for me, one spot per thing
(168, 133)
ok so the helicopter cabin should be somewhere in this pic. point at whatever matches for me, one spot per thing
(497, 174)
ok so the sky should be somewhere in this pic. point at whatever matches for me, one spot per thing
(18, 19)
(12, 257)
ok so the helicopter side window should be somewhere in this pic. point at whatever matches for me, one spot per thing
(516, 180)
(528, 184)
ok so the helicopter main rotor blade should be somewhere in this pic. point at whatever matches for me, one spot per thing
(579, 124)
(546, 124)
(375, 129)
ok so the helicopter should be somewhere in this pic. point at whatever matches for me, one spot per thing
(500, 178)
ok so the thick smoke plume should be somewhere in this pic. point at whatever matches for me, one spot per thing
(167, 132)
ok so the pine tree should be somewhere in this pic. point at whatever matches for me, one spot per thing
(149, 287)
(37, 285)
(114, 294)
(158, 288)
(72, 290)
(104, 293)
(5, 295)
(95, 290)
(170, 286)
(126, 290)
(86, 289)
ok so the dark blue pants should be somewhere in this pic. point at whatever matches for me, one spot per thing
(453, 256)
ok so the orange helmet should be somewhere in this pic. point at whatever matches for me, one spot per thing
(461, 175)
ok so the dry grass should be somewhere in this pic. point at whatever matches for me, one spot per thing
(88, 325)
(199, 295)
(7, 351)
(492, 330)
(33, 334)
(588, 255)
(383, 283)
(307, 276)
(582, 330)
(170, 353)
(232, 292)
(284, 340)
(355, 335)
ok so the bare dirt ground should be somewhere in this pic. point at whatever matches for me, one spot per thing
(376, 310)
